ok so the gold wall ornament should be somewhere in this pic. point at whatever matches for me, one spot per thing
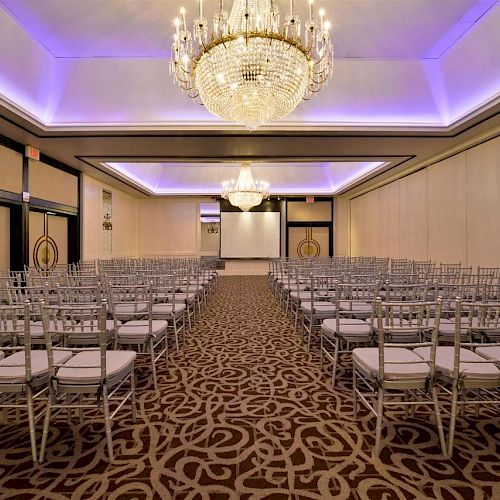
(251, 68)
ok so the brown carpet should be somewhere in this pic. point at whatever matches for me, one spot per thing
(245, 412)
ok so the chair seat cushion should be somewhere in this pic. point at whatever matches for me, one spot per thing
(489, 352)
(319, 307)
(167, 309)
(409, 366)
(356, 306)
(352, 330)
(129, 310)
(118, 365)
(140, 329)
(445, 363)
(300, 295)
(39, 365)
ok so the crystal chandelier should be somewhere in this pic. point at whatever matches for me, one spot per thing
(245, 193)
(250, 68)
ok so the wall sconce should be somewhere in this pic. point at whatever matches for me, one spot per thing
(107, 225)
(213, 229)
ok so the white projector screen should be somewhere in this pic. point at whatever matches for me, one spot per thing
(250, 235)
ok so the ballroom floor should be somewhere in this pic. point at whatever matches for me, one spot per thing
(245, 412)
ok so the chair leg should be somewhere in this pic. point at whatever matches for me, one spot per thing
(107, 422)
(153, 364)
(380, 415)
(335, 360)
(453, 419)
(439, 421)
(132, 396)
(46, 423)
(321, 353)
(176, 334)
(354, 394)
(31, 420)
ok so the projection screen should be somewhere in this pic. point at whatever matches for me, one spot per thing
(250, 235)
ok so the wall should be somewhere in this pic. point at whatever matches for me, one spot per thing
(11, 170)
(49, 183)
(170, 227)
(4, 237)
(447, 212)
(210, 242)
(125, 228)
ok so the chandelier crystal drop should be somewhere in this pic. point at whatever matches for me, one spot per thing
(251, 68)
(245, 193)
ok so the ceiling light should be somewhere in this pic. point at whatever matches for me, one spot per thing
(268, 65)
(245, 193)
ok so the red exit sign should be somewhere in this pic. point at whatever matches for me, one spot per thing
(32, 152)
(310, 199)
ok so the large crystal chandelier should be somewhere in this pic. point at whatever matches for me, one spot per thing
(250, 68)
(245, 193)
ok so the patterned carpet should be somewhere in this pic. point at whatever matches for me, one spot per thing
(245, 412)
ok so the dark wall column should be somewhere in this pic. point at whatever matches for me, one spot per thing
(25, 218)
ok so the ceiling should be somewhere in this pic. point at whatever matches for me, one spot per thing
(375, 29)
(87, 82)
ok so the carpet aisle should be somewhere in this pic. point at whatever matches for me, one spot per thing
(245, 412)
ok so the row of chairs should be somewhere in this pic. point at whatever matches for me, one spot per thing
(75, 346)
(407, 344)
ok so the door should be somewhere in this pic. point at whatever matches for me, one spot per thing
(48, 240)
(309, 241)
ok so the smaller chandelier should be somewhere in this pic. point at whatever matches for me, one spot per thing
(245, 193)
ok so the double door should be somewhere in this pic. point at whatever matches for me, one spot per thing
(309, 240)
(48, 238)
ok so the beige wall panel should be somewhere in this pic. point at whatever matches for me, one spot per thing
(49, 183)
(125, 230)
(446, 205)
(11, 170)
(413, 216)
(388, 228)
(4, 238)
(371, 222)
(342, 227)
(210, 242)
(483, 204)
(299, 211)
(168, 227)
(357, 227)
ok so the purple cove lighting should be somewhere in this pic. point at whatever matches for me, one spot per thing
(334, 176)
(460, 28)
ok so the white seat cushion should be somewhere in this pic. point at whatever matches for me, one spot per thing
(166, 309)
(300, 295)
(319, 307)
(118, 364)
(489, 352)
(352, 330)
(445, 363)
(127, 310)
(140, 329)
(110, 325)
(39, 365)
(356, 306)
(411, 367)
